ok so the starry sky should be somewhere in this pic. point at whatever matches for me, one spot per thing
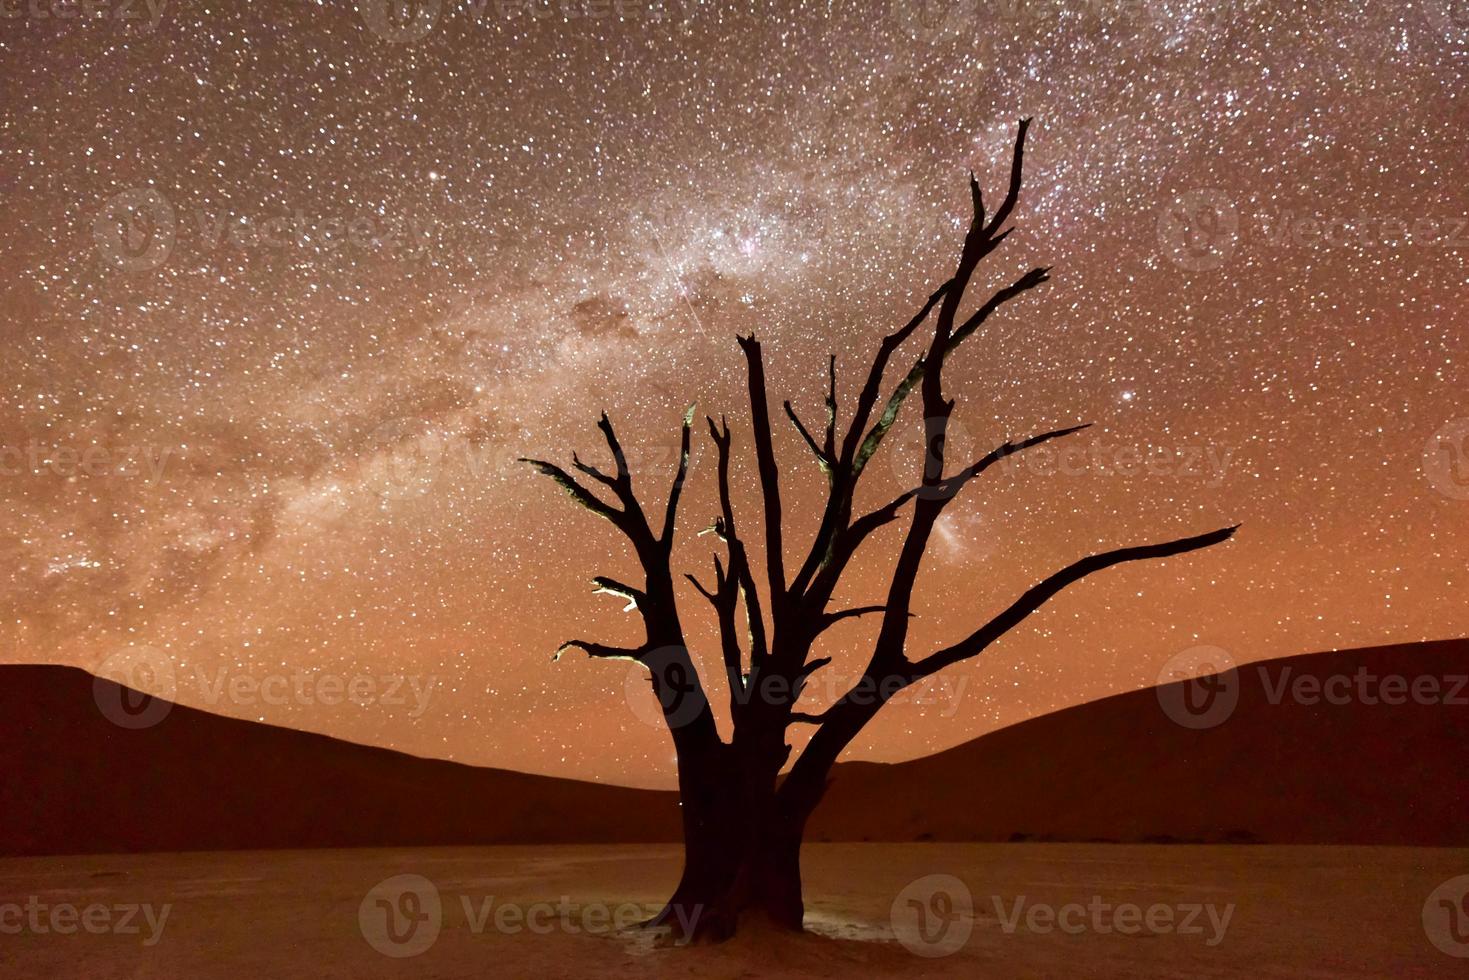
(286, 287)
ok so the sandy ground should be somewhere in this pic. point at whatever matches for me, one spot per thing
(872, 910)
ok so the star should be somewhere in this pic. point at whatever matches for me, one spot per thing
(266, 384)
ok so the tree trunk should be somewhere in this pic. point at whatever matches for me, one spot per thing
(742, 855)
(732, 878)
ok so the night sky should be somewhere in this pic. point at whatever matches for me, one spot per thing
(286, 288)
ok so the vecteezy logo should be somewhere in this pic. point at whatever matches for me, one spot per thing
(135, 230)
(401, 916)
(403, 459)
(1449, 17)
(1446, 917)
(919, 444)
(1199, 688)
(675, 700)
(1199, 230)
(399, 20)
(1446, 459)
(134, 688)
(923, 19)
(933, 916)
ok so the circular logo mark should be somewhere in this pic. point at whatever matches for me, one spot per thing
(1199, 688)
(1449, 18)
(134, 688)
(401, 916)
(1199, 230)
(399, 20)
(1446, 917)
(1446, 459)
(403, 458)
(675, 701)
(930, 20)
(135, 230)
(933, 916)
(916, 445)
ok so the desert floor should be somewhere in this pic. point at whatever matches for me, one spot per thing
(551, 912)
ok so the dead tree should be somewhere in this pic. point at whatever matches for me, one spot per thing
(742, 820)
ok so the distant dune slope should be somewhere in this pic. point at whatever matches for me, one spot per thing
(76, 783)
(1120, 769)
(1275, 769)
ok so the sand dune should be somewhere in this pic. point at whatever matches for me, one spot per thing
(1276, 770)
(77, 783)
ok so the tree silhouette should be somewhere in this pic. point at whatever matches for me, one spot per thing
(743, 823)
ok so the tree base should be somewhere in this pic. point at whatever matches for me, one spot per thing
(712, 915)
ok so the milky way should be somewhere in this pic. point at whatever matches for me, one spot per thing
(287, 287)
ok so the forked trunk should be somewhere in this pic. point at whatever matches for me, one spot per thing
(742, 859)
(732, 878)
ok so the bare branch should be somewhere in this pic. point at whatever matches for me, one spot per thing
(1025, 283)
(843, 473)
(729, 647)
(829, 448)
(811, 667)
(739, 561)
(1037, 595)
(1012, 195)
(953, 484)
(663, 651)
(838, 616)
(976, 196)
(979, 241)
(725, 599)
(868, 398)
(769, 476)
(624, 477)
(578, 492)
(885, 514)
(706, 593)
(798, 684)
(846, 544)
(601, 651)
(814, 665)
(816, 450)
(593, 472)
(850, 613)
(827, 620)
(853, 537)
(879, 430)
(610, 586)
(671, 513)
